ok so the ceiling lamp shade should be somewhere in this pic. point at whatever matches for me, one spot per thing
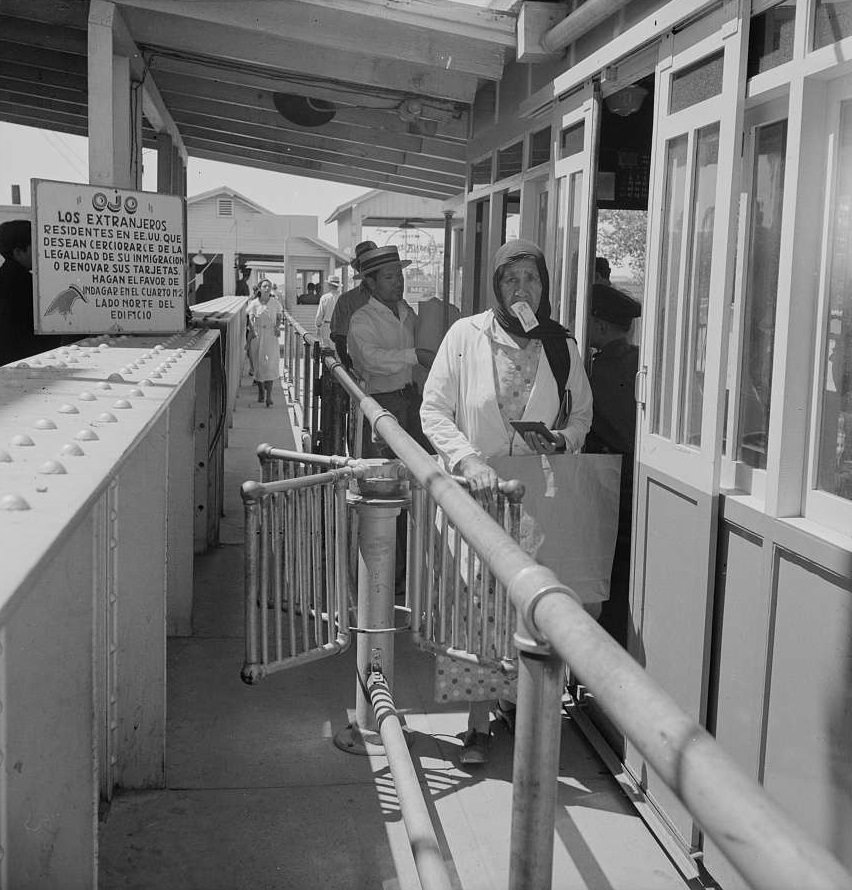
(627, 101)
(199, 259)
(303, 110)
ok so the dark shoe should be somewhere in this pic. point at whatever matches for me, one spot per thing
(269, 403)
(506, 716)
(474, 747)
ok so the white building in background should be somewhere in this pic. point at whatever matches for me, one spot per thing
(417, 226)
(230, 230)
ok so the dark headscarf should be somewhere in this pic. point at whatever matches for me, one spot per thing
(554, 338)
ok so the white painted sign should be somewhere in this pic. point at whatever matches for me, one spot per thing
(107, 260)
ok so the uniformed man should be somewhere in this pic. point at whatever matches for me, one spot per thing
(614, 368)
(613, 431)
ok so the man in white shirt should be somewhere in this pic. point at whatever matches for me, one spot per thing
(381, 343)
(325, 310)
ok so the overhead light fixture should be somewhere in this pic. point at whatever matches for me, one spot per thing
(305, 111)
(199, 259)
(627, 101)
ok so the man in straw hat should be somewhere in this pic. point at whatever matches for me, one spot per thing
(381, 343)
(348, 303)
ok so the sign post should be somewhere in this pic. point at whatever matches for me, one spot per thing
(107, 260)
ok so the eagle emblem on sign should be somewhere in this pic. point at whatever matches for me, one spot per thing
(63, 302)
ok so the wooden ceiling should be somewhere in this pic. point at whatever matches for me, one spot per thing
(396, 78)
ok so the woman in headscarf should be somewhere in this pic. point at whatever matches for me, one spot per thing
(510, 363)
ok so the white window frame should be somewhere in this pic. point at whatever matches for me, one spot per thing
(736, 474)
(822, 507)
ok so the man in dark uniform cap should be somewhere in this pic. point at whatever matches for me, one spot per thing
(614, 369)
(613, 431)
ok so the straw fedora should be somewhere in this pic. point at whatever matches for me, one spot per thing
(373, 260)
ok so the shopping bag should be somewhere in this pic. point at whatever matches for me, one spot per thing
(570, 515)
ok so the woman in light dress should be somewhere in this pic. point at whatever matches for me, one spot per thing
(265, 316)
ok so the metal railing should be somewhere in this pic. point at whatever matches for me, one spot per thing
(765, 846)
(323, 406)
(461, 609)
(296, 577)
(421, 835)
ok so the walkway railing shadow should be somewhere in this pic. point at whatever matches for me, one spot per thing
(553, 631)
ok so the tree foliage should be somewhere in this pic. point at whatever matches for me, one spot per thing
(621, 238)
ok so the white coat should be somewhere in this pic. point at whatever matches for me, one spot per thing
(459, 411)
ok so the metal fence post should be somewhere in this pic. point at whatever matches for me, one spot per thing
(316, 393)
(536, 763)
(306, 385)
(375, 645)
(297, 380)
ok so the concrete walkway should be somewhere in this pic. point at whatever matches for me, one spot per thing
(258, 797)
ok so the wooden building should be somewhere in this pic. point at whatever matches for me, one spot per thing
(229, 230)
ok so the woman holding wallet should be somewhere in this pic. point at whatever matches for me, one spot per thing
(512, 363)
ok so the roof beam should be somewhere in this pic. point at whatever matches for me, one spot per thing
(237, 44)
(477, 22)
(225, 111)
(30, 99)
(102, 12)
(46, 119)
(429, 44)
(334, 164)
(65, 13)
(38, 82)
(49, 60)
(249, 160)
(287, 82)
(384, 119)
(307, 142)
(43, 36)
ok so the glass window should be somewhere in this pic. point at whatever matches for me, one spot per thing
(561, 217)
(571, 140)
(696, 83)
(832, 21)
(697, 302)
(480, 247)
(480, 172)
(539, 148)
(510, 160)
(759, 299)
(541, 221)
(485, 107)
(770, 37)
(511, 216)
(835, 442)
(572, 248)
(563, 297)
(670, 249)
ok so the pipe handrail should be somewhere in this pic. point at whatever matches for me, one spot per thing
(766, 847)
(431, 869)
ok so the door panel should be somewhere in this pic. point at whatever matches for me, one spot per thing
(673, 638)
(577, 133)
(690, 257)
